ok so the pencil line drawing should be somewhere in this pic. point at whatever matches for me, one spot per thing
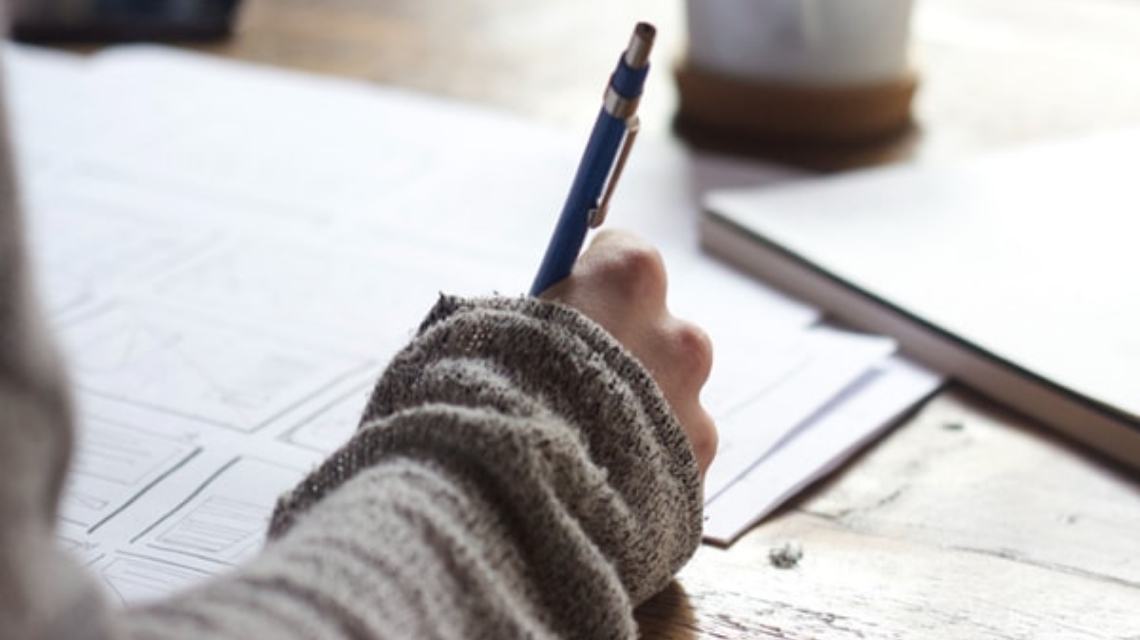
(224, 519)
(132, 578)
(113, 465)
(227, 376)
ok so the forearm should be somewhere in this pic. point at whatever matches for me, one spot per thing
(518, 475)
(562, 431)
(536, 487)
(400, 550)
(559, 398)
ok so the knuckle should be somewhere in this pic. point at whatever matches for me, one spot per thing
(694, 350)
(704, 439)
(640, 269)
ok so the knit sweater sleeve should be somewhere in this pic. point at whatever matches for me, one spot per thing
(517, 474)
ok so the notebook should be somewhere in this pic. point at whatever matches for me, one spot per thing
(1016, 273)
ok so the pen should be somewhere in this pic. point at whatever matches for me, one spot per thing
(602, 161)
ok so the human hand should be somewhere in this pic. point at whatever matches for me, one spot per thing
(620, 283)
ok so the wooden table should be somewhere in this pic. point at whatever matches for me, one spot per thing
(965, 522)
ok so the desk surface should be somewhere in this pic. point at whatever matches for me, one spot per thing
(966, 521)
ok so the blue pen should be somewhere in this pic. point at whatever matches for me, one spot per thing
(602, 162)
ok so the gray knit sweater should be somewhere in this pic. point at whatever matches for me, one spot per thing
(517, 474)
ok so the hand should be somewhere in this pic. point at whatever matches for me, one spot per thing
(620, 283)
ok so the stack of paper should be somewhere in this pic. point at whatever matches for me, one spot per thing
(230, 255)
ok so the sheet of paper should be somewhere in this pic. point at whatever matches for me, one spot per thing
(48, 86)
(230, 254)
(778, 387)
(860, 413)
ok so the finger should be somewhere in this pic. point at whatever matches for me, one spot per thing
(626, 267)
(700, 429)
(683, 360)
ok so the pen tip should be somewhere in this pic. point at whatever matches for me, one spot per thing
(637, 55)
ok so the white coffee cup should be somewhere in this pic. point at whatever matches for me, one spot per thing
(801, 42)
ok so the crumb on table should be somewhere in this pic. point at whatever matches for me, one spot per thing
(786, 556)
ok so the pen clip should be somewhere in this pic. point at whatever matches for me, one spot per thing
(598, 214)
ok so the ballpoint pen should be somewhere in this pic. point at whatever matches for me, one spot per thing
(602, 161)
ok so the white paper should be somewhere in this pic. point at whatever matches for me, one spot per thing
(863, 411)
(805, 373)
(230, 255)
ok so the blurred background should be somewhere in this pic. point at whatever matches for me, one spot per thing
(991, 73)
